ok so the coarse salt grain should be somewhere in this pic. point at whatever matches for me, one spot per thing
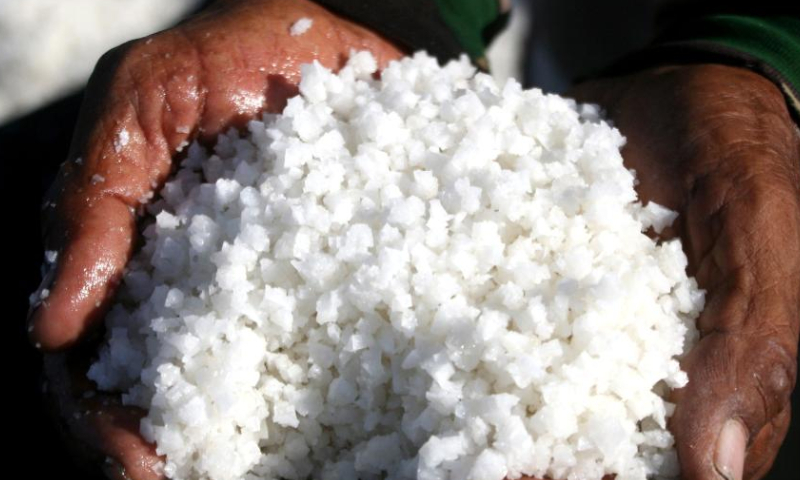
(121, 140)
(300, 27)
(425, 276)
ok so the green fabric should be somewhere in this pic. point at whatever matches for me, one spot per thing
(768, 43)
(467, 19)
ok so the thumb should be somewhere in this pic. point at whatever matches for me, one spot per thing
(733, 414)
(743, 234)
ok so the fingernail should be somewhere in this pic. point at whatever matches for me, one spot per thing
(729, 455)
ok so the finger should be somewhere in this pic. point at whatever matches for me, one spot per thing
(742, 371)
(726, 422)
(765, 445)
(144, 101)
(732, 415)
(96, 427)
(729, 451)
(128, 455)
(266, 61)
(126, 135)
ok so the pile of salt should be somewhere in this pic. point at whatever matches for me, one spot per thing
(424, 276)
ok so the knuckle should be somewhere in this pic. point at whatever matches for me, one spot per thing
(762, 189)
(773, 377)
(112, 69)
(115, 56)
(123, 61)
(780, 377)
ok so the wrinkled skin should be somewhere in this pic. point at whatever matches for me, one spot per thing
(714, 143)
(215, 71)
(717, 144)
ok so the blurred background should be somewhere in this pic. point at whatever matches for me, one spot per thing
(48, 48)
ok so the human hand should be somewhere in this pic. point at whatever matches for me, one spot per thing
(145, 100)
(717, 144)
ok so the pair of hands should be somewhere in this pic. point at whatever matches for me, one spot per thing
(714, 143)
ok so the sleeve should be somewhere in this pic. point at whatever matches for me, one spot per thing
(768, 44)
(766, 41)
(444, 28)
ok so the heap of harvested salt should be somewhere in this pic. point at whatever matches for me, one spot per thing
(424, 276)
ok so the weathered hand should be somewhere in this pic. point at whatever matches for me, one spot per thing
(717, 144)
(145, 100)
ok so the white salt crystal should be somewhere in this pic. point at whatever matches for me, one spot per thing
(285, 414)
(341, 392)
(121, 140)
(300, 27)
(489, 465)
(50, 256)
(328, 306)
(312, 83)
(193, 413)
(441, 449)
(657, 216)
(203, 233)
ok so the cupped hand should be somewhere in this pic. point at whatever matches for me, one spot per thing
(145, 101)
(718, 145)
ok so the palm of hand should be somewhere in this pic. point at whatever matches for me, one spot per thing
(717, 144)
(145, 100)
